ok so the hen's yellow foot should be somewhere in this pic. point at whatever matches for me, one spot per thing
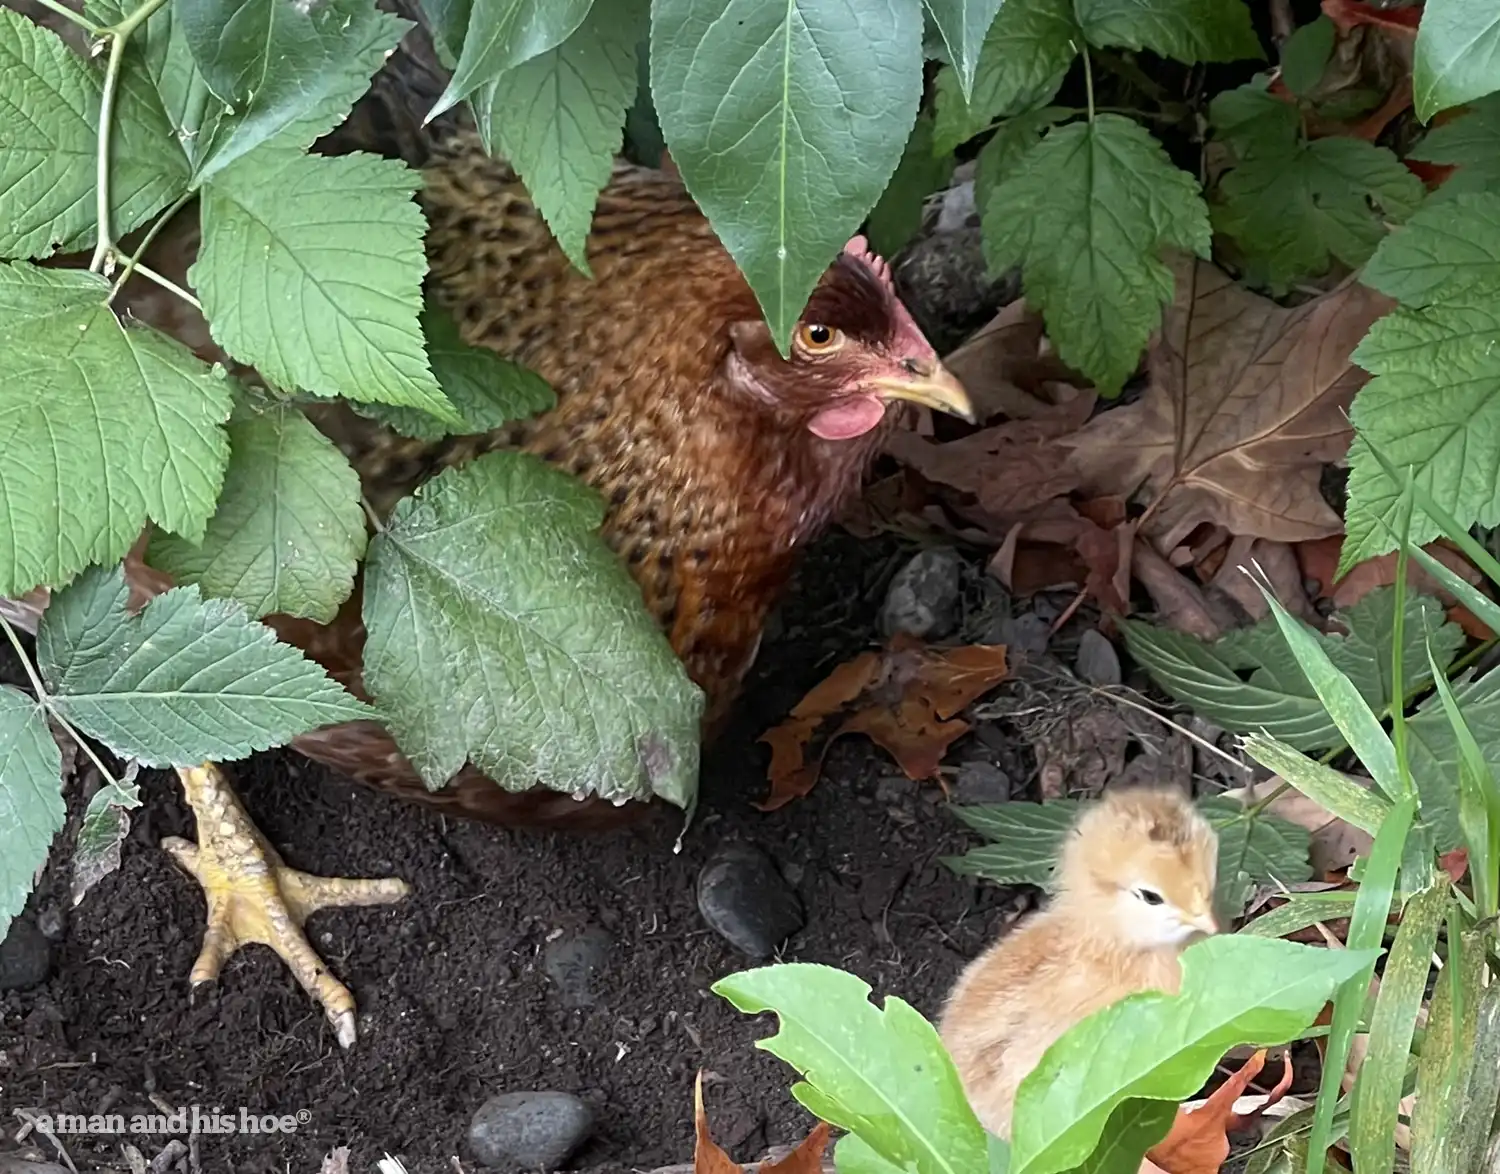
(254, 897)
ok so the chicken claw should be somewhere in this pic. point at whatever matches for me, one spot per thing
(254, 897)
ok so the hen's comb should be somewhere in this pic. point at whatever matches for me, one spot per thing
(859, 248)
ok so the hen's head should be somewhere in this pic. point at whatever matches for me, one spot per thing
(854, 350)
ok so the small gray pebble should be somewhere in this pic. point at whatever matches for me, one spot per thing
(533, 1130)
(1098, 663)
(924, 595)
(746, 901)
(1027, 633)
(574, 962)
(52, 922)
(25, 957)
(981, 782)
(889, 790)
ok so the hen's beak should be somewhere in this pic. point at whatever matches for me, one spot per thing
(929, 383)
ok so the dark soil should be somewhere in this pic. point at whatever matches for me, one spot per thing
(454, 1003)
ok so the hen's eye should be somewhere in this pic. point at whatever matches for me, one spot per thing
(814, 336)
(1150, 896)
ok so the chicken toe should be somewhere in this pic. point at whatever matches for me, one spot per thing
(254, 897)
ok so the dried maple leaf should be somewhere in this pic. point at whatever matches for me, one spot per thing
(1003, 363)
(709, 1158)
(1246, 406)
(1199, 1140)
(903, 698)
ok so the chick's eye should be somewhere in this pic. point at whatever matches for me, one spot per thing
(817, 337)
(1150, 896)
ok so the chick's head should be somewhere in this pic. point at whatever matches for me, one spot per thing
(1144, 862)
(855, 350)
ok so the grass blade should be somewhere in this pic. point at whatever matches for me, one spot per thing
(1478, 803)
(1447, 1053)
(1372, 906)
(1477, 1105)
(1322, 784)
(1301, 911)
(1375, 1104)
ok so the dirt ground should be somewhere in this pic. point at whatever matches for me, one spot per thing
(454, 1003)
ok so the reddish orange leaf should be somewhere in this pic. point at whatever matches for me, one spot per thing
(1348, 14)
(1199, 1140)
(709, 1158)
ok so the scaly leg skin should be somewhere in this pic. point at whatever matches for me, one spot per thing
(254, 897)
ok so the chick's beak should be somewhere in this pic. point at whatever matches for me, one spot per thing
(1205, 923)
(929, 383)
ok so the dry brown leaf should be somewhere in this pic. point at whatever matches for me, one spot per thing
(1002, 364)
(709, 1158)
(903, 698)
(1320, 559)
(1246, 406)
(1199, 1140)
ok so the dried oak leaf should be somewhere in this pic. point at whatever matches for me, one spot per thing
(1245, 407)
(1199, 1140)
(903, 698)
(709, 1158)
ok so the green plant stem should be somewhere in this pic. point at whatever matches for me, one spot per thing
(1088, 83)
(118, 35)
(1133, 74)
(134, 261)
(67, 13)
(167, 284)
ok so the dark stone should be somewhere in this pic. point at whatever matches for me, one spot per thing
(1097, 663)
(746, 901)
(981, 782)
(531, 1130)
(25, 957)
(924, 596)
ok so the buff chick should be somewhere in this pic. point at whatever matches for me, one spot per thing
(1135, 886)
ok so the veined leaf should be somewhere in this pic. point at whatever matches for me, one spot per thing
(1435, 754)
(880, 1072)
(118, 427)
(49, 114)
(559, 118)
(503, 34)
(1448, 252)
(311, 270)
(188, 679)
(1305, 56)
(289, 531)
(1471, 143)
(1012, 141)
(786, 121)
(898, 215)
(106, 823)
(503, 632)
(1253, 121)
(1187, 30)
(31, 804)
(963, 25)
(1457, 55)
(1235, 990)
(1086, 214)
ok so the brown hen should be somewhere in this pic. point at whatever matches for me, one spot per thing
(718, 459)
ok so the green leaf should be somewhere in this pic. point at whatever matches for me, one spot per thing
(785, 121)
(898, 215)
(1235, 990)
(1435, 752)
(106, 823)
(276, 62)
(1027, 52)
(1301, 911)
(1133, 1128)
(1305, 56)
(311, 270)
(1008, 147)
(1291, 211)
(115, 428)
(963, 25)
(1277, 698)
(31, 804)
(289, 531)
(1322, 784)
(503, 632)
(1457, 56)
(1470, 142)
(188, 679)
(1253, 121)
(880, 1072)
(559, 118)
(485, 389)
(1187, 30)
(1448, 252)
(503, 34)
(1086, 215)
(1263, 848)
(1376, 1098)
(49, 114)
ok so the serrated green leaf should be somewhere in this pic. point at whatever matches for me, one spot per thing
(1253, 121)
(485, 389)
(1447, 252)
(1457, 55)
(49, 114)
(1277, 697)
(500, 35)
(559, 118)
(1471, 143)
(311, 270)
(880, 1072)
(289, 531)
(106, 823)
(278, 62)
(188, 679)
(31, 804)
(785, 121)
(963, 25)
(1026, 54)
(1265, 848)
(101, 433)
(1235, 990)
(1305, 55)
(503, 632)
(1086, 215)
(1435, 755)
(897, 217)
(1186, 30)
(1291, 212)
(1012, 141)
